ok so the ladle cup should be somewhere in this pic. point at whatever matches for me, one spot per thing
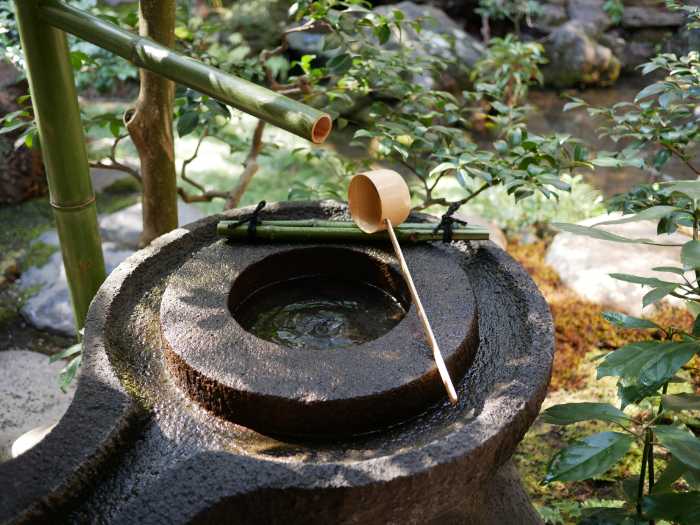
(378, 200)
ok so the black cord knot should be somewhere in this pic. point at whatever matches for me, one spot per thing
(447, 222)
(251, 220)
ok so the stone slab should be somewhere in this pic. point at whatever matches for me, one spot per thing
(29, 395)
(584, 264)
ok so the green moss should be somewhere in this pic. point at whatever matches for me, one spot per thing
(22, 223)
(38, 254)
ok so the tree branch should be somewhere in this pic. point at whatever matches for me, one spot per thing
(251, 167)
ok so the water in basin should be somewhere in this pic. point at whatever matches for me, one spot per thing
(319, 312)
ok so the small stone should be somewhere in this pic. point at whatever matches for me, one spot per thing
(584, 263)
(29, 395)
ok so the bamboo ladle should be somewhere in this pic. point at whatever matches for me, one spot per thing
(380, 200)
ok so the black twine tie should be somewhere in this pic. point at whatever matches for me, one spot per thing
(251, 220)
(447, 221)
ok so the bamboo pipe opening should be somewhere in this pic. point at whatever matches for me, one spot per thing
(321, 129)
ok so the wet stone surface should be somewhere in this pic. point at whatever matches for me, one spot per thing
(296, 390)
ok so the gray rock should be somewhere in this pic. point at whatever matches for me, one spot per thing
(651, 16)
(575, 58)
(29, 395)
(50, 307)
(435, 39)
(589, 12)
(124, 226)
(549, 17)
(640, 46)
(584, 264)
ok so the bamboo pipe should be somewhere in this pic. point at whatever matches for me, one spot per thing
(274, 108)
(377, 200)
(308, 231)
(56, 110)
(324, 223)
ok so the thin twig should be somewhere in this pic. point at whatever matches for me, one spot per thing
(114, 164)
(251, 167)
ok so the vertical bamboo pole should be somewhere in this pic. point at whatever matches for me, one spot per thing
(62, 141)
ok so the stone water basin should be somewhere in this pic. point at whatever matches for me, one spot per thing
(185, 414)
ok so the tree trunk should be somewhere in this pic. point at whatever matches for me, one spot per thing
(151, 127)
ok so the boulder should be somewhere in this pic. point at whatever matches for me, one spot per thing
(440, 36)
(575, 58)
(590, 13)
(584, 264)
(549, 17)
(29, 395)
(638, 16)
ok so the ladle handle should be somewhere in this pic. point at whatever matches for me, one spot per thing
(439, 361)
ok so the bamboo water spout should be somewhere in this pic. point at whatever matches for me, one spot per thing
(274, 108)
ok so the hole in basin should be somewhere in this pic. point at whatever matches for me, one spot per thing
(319, 298)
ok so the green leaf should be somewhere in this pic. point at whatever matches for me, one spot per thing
(383, 33)
(649, 214)
(115, 128)
(669, 269)
(614, 162)
(669, 476)
(657, 294)
(574, 104)
(682, 444)
(691, 188)
(569, 413)
(690, 255)
(598, 233)
(661, 157)
(14, 127)
(627, 321)
(187, 123)
(443, 166)
(679, 402)
(340, 64)
(651, 89)
(644, 281)
(678, 507)
(67, 352)
(667, 360)
(67, 375)
(589, 457)
(628, 360)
